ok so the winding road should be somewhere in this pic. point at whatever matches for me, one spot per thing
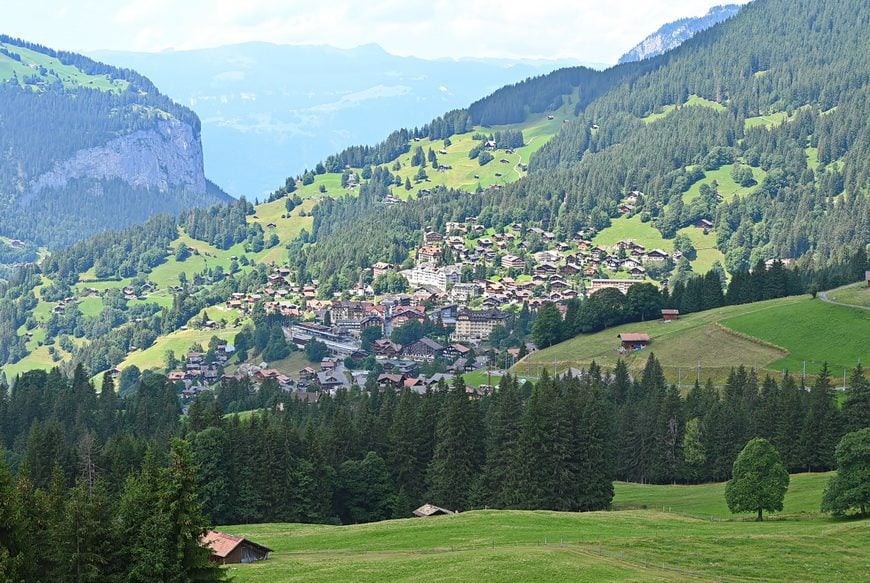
(824, 297)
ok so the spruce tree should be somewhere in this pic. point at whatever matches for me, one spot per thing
(856, 407)
(458, 451)
(501, 448)
(821, 428)
(179, 501)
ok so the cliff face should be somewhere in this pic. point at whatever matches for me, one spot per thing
(166, 157)
(675, 33)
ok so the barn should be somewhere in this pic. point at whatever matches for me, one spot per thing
(227, 548)
(668, 315)
(634, 341)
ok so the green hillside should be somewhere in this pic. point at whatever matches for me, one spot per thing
(681, 543)
(771, 335)
(37, 69)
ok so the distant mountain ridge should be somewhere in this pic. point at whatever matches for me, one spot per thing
(270, 110)
(673, 34)
(90, 147)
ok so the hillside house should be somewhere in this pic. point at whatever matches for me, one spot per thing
(230, 549)
(668, 315)
(634, 341)
(423, 349)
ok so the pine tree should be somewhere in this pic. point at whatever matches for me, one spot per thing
(821, 429)
(13, 554)
(856, 407)
(405, 457)
(458, 452)
(501, 448)
(179, 498)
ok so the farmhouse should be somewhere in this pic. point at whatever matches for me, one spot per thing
(227, 548)
(634, 341)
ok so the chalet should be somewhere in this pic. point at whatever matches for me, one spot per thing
(545, 269)
(402, 317)
(668, 315)
(386, 348)
(634, 341)
(228, 549)
(703, 224)
(430, 237)
(431, 510)
(176, 376)
(429, 253)
(423, 349)
(456, 350)
(327, 380)
(657, 255)
(393, 380)
(512, 262)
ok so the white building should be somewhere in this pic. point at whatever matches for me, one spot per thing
(431, 275)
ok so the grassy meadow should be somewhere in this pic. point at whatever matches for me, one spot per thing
(811, 331)
(854, 295)
(771, 335)
(681, 543)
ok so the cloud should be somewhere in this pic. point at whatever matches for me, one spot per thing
(587, 30)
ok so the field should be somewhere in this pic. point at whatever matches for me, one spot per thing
(788, 330)
(727, 187)
(69, 75)
(811, 331)
(855, 295)
(694, 100)
(629, 545)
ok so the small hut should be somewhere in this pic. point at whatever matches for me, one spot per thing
(668, 315)
(227, 548)
(634, 341)
(431, 510)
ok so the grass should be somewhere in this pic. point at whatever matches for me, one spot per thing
(629, 545)
(727, 187)
(632, 228)
(708, 500)
(679, 345)
(811, 331)
(768, 121)
(69, 75)
(179, 341)
(856, 295)
(693, 101)
(705, 245)
(480, 377)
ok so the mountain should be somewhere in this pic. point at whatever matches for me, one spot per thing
(271, 109)
(776, 96)
(89, 147)
(673, 34)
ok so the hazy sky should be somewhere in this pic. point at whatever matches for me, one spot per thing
(587, 30)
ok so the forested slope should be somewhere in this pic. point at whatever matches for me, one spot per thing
(89, 147)
(660, 127)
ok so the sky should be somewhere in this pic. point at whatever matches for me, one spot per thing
(585, 30)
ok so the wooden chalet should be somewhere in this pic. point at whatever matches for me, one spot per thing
(668, 315)
(228, 549)
(634, 341)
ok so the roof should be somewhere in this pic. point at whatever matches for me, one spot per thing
(222, 544)
(633, 337)
(668, 312)
(430, 509)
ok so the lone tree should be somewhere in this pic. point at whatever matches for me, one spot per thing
(850, 487)
(759, 481)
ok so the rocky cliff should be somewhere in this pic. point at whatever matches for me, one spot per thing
(166, 157)
(675, 33)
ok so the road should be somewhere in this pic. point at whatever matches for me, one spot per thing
(824, 297)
